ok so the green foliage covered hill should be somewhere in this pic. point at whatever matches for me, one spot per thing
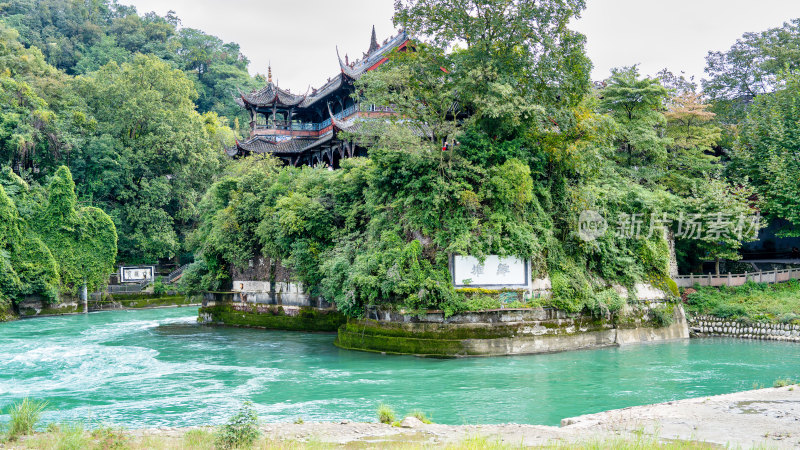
(134, 105)
(138, 109)
(536, 147)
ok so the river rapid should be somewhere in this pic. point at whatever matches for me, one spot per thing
(148, 368)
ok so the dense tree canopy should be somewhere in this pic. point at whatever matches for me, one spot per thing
(129, 127)
(49, 244)
(151, 154)
(767, 152)
(82, 37)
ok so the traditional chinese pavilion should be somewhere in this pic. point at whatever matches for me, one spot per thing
(305, 129)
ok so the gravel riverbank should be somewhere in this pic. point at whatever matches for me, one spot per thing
(765, 417)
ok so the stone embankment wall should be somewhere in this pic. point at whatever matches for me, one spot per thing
(143, 300)
(703, 326)
(279, 294)
(36, 307)
(271, 317)
(511, 332)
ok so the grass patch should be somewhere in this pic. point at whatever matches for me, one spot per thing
(386, 414)
(25, 416)
(421, 416)
(65, 436)
(199, 439)
(756, 301)
(641, 442)
(783, 383)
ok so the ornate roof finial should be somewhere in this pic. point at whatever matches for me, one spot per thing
(269, 73)
(373, 45)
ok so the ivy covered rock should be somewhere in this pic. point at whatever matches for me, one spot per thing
(83, 240)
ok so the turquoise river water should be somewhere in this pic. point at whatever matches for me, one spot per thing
(158, 367)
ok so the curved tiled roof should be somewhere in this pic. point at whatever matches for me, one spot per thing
(331, 86)
(261, 144)
(271, 94)
(359, 68)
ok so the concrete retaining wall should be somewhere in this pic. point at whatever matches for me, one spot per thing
(35, 306)
(702, 326)
(271, 317)
(286, 294)
(508, 332)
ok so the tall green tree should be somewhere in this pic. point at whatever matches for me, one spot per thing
(767, 152)
(514, 63)
(637, 105)
(750, 68)
(726, 220)
(693, 134)
(152, 153)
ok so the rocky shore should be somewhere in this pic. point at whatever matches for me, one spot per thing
(761, 418)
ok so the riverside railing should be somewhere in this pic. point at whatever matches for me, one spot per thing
(738, 279)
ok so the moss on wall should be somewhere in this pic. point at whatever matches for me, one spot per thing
(308, 319)
(6, 314)
(144, 301)
(353, 340)
(458, 339)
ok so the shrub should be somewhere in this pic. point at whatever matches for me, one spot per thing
(24, 417)
(569, 291)
(663, 316)
(481, 303)
(783, 383)
(788, 317)
(159, 288)
(385, 414)
(605, 302)
(241, 429)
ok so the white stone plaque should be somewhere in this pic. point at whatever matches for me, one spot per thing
(136, 274)
(494, 272)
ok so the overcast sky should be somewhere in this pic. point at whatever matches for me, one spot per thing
(300, 37)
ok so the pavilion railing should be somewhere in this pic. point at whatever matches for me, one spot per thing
(299, 126)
